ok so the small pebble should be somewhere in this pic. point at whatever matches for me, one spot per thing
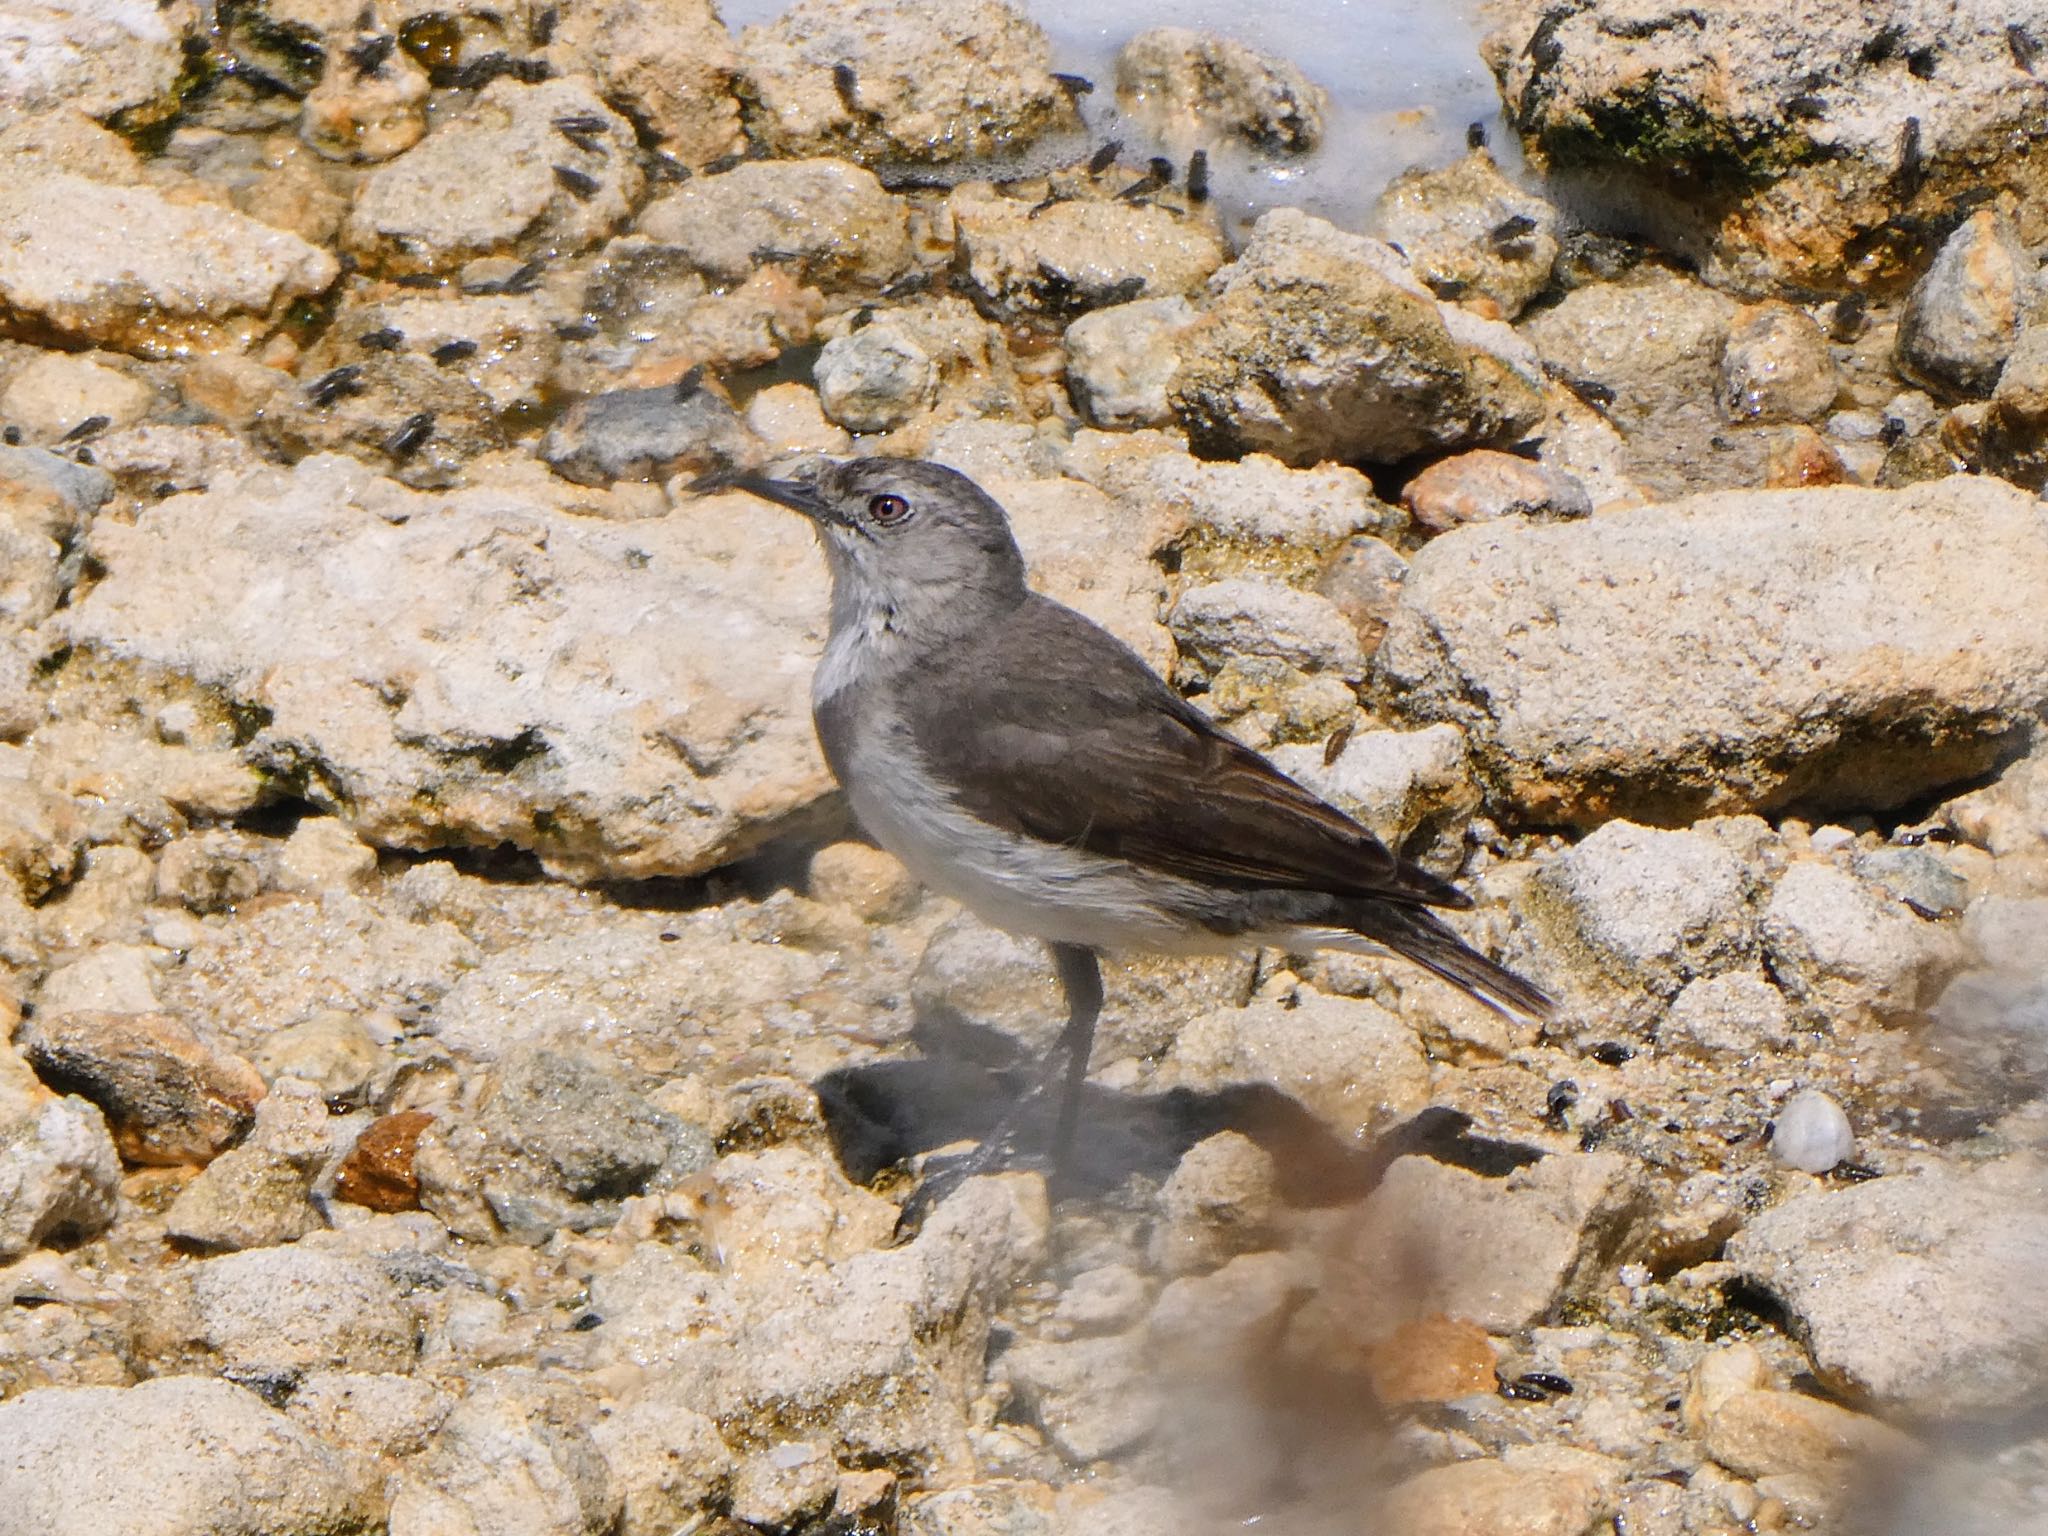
(1812, 1133)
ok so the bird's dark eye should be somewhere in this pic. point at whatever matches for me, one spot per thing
(888, 510)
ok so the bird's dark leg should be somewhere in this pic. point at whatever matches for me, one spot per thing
(1081, 979)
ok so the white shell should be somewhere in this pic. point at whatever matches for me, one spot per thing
(1811, 1133)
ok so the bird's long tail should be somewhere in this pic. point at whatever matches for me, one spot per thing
(1420, 935)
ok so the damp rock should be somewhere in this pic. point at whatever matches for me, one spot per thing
(1470, 233)
(1092, 1395)
(668, 64)
(197, 1456)
(1121, 358)
(211, 871)
(1940, 1254)
(102, 60)
(363, 114)
(882, 81)
(1811, 1133)
(168, 1096)
(497, 175)
(1484, 484)
(827, 221)
(1190, 87)
(58, 393)
(646, 434)
(1318, 344)
(331, 1052)
(789, 419)
(595, 752)
(1019, 259)
(1963, 316)
(1734, 1013)
(1646, 353)
(1777, 367)
(557, 1143)
(1509, 630)
(59, 1177)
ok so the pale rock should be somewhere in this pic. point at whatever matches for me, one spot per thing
(1346, 1060)
(256, 1194)
(2015, 436)
(59, 390)
(1318, 344)
(366, 115)
(1022, 260)
(1405, 786)
(1484, 484)
(1254, 620)
(1093, 1395)
(667, 63)
(666, 1460)
(1735, 1013)
(1837, 945)
(932, 81)
(1221, 1200)
(60, 1180)
(169, 1097)
(1213, 1327)
(1256, 504)
(46, 505)
(1122, 357)
(1734, 651)
(196, 1456)
(102, 57)
(1915, 1294)
(274, 1311)
(789, 419)
(1190, 87)
(766, 1211)
(1079, 549)
(1363, 578)
(1470, 233)
(1758, 1432)
(73, 264)
(1500, 1252)
(1108, 1299)
(1542, 1491)
(485, 181)
(105, 905)
(646, 434)
(1632, 909)
(372, 1413)
(785, 1486)
(828, 221)
(212, 871)
(1963, 316)
(331, 600)
(875, 379)
(1811, 1133)
(108, 978)
(1777, 367)
(516, 1458)
(997, 1508)
(871, 883)
(1922, 879)
(322, 854)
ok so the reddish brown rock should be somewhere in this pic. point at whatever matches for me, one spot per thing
(1484, 484)
(378, 1171)
(168, 1097)
(1432, 1360)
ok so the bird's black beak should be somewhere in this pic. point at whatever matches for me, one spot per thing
(797, 495)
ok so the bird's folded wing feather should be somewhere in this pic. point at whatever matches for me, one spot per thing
(1056, 729)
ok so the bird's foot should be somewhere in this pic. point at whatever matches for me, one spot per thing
(944, 1175)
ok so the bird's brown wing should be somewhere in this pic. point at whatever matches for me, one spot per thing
(1052, 727)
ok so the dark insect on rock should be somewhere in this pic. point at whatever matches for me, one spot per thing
(1561, 1097)
(666, 167)
(89, 428)
(864, 316)
(576, 330)
(368, 56)
(421, 280)
(1806, 108)
(722, 164)
(1075, 85)
(2023, 47)
(1475, 135)
(453, 352)
(1156, 176)
(580, 185)
(11, 436)
(480, 72)
(1593, 392)
(1846, 324)
(586, 1322)
(1912, 171)
(1051, 201)
(84, 455)
(1536, 1386)
(690, 382)
(411, 436)
(1105, 157)
(1855, 1173)
(541, 30)
(1198, 176)
(1543, 49)
(1883, 44)
(387, 338)
(1612, 1053)
(1123, 290)
(1920, 63)
(909, 283)
(522, 279)
(1892, 430)
(1511, 230)
(335, 384)
(583, 129)
(847, 84)
(1334, 747)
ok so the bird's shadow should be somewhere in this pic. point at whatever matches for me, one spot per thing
(884, 1113)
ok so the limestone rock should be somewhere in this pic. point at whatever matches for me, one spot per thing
(275, 1311)
(668, 63)
(665, 1458)
(1963, 316)
(1777, 367)
(196, 1456)
(827, 220)
(1190, 87)
(1838, 946)
(1542, 1491)
(1022, 260)
(255, 1195)
(1470, 233)
(1121, 358)
(1321, 345)
(565, 718)
(59, 1178)
(1742, 651)
(1484, 484)
(514, 1456)
(932, 81)
(646, 434)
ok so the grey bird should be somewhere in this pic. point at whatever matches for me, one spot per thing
(1022, 760)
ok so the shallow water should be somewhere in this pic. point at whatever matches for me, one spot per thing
(1404, 77)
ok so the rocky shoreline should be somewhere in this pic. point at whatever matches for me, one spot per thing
(458, 1057)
